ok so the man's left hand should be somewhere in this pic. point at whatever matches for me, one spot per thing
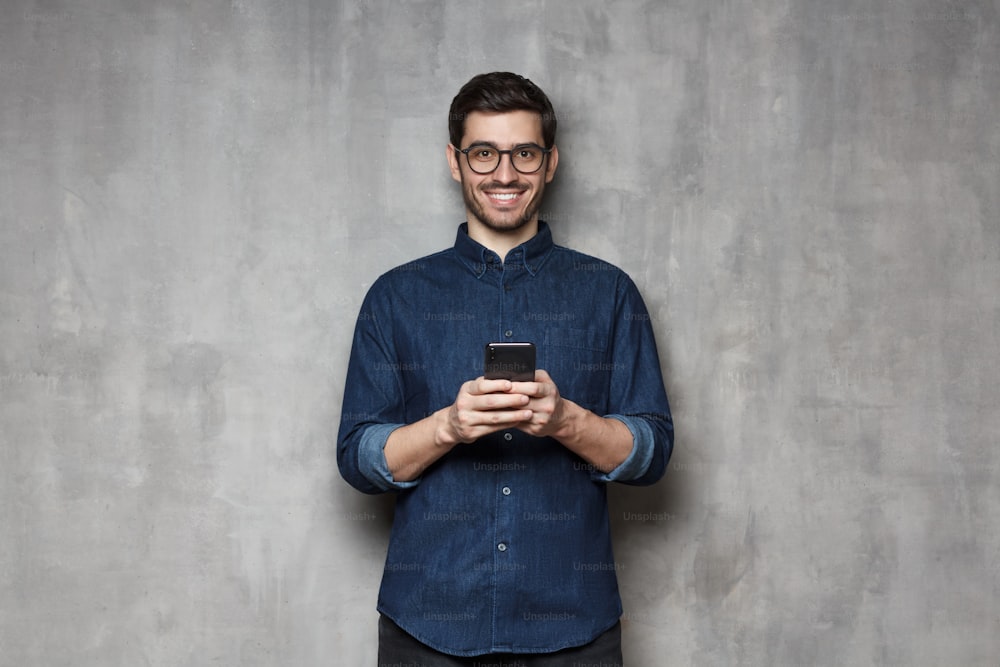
(548, 408)
(600, 441)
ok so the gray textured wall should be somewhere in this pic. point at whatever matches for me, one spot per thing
(194, 197)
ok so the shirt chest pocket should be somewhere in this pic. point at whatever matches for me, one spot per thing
(579, 363)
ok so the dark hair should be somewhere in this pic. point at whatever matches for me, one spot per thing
(500, 92)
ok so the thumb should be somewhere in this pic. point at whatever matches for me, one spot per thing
(542, 375)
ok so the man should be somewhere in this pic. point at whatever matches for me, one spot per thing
(500, 546)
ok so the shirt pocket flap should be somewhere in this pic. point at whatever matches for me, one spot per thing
(581, 339)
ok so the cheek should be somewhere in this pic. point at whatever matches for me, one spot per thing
(468, 184)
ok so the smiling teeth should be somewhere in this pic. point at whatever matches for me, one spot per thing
(504, 196)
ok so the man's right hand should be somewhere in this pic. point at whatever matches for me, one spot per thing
(482, 407)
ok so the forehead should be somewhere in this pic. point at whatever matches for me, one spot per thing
(503, 129)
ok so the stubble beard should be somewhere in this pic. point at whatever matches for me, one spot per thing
(493, 222)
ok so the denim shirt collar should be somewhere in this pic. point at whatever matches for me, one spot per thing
(531, 254)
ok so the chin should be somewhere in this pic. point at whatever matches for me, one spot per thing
(506, 225)
(510, 222)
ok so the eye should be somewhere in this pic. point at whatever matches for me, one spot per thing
(484, 154)
(527, 153)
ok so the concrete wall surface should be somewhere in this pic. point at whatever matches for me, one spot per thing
(194, 197)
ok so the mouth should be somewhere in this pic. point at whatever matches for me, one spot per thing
(504, 199)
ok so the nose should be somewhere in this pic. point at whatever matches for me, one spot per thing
(505, 172)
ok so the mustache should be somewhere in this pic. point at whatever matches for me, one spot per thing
(496, 185)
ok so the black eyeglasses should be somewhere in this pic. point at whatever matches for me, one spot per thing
(485, 158)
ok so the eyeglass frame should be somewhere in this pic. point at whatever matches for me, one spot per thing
(501, 153)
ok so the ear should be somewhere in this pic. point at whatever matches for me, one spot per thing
(550, 166)
(456, 170)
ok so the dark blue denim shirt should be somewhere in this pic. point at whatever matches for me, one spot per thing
(503, 544)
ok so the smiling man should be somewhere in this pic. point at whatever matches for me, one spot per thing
(500, 550)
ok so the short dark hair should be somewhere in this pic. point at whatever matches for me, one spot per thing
(499, 92)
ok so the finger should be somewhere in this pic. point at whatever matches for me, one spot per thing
(533, 389)
(495, 420)
(508, 418)
(531, 428)
(500, 401)
(541, 375)
(483, 386)
(542, 386)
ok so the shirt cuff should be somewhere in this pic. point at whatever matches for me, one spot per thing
(371, 458)
(643, 447)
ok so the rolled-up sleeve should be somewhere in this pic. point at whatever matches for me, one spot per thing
(371, 458)
(643, 449)
(637, 396)
(372, 407)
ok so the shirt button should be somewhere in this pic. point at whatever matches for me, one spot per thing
(508, 333)
(502, 547)
(506, 490)
(508, 437)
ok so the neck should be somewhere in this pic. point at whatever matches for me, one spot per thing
(501, 242)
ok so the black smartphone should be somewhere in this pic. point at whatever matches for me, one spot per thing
(510, 361)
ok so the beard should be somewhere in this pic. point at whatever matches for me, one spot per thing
(500, 222)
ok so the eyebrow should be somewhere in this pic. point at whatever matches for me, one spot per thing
(493, 145)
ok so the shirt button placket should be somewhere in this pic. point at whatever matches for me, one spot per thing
(505, 490)
(508, 334)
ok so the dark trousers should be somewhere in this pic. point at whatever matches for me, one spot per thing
(398, 649)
